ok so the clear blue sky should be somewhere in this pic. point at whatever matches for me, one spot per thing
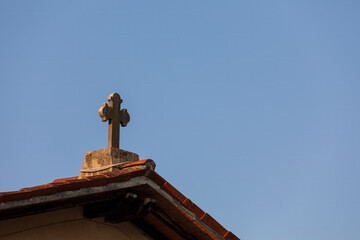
(249, 108)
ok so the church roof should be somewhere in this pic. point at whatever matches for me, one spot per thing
(154, 203)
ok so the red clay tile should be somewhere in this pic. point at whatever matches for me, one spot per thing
(66, 187)
(211, 222)
(6, 193)
(76, 184)
(42, 190)
(77, 180)
(30, 189)
(167, 187)
(14, 196)
(39, 190)
(193, 207)
(156, 178)
(64, 179)
(124, 175)
(120, 172)
(141, 162)
(97, 180)
(230, 236)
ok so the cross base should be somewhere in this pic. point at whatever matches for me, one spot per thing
(105, 160)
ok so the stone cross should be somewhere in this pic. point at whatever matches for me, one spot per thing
(115, 116)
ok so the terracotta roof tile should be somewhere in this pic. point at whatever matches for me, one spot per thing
(41, 190)
(156, 178)
(64, 179)
(193, 207)
(97, 180)
(141, 162)
(167, 187)
(211, 222)
(13, 196)
(230, 236)
(76, 184)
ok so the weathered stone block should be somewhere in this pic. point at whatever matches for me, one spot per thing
(105, 160)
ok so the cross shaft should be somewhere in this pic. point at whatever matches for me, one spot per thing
(115, 116)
